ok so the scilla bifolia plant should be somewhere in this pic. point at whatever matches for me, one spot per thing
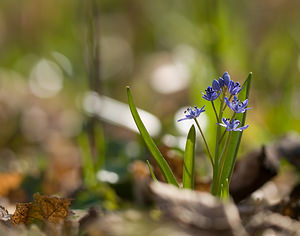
(226, 93)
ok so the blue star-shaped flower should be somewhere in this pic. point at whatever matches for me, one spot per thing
(232, 125)
(211, 94)
(192, 113)
(236, 105)
(234, 88)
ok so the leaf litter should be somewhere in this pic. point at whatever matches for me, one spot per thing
(43, 208)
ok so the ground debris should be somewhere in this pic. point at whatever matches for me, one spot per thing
(202, 212)
(260, 166)
(134, 222)
(269, 223)
(4, 215)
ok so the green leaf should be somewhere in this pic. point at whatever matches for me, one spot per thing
(151, 171)
(225, 190)
(100, 147)
(189, 160)
(162, 163)
(89, 174)
(235, 137)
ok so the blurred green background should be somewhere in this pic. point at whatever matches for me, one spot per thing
(54, 53)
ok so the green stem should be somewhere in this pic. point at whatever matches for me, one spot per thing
(213, 105)
(216, 160)
(220, 140)
(223, 155)
(207, 148)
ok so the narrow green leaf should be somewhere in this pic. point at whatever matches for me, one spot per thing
(89, 174)
(225, 190)
(100, 147)
(189, 160)
(163, 165)
(236, 136)
(151, 171)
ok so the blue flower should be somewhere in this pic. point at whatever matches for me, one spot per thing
(216, 85)
(234, 88)
(192, 113)
(232, 125)
(236, 105)
(211, 94)
(226, 78)
(221, 82)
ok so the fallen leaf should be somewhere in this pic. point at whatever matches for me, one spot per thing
(50, 209)
(53, 209)
(174, 161)
(21, 213)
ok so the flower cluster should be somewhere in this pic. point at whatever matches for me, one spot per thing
(224, 94)
(225, 90)
(223, 84)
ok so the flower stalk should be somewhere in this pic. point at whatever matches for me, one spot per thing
(213, 105)
(205, 142)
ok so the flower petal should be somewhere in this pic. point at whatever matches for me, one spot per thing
(225, 121)
(222, 125)
(235, 124)
(226, 78)
(186, 118)
(242, 128)
(228, 103)
(202, 109)
(244, 103)
(216, 86)
(221, 82)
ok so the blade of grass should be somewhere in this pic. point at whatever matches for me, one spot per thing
(189, 160)
(151, 171)
(162, 163)
(236, 136)
(100, 146)
(89, 174)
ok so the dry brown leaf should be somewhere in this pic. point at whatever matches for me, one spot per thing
(51, 209)
(174, 161)
(21, 213)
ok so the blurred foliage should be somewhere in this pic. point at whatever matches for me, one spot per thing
(103, 46)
